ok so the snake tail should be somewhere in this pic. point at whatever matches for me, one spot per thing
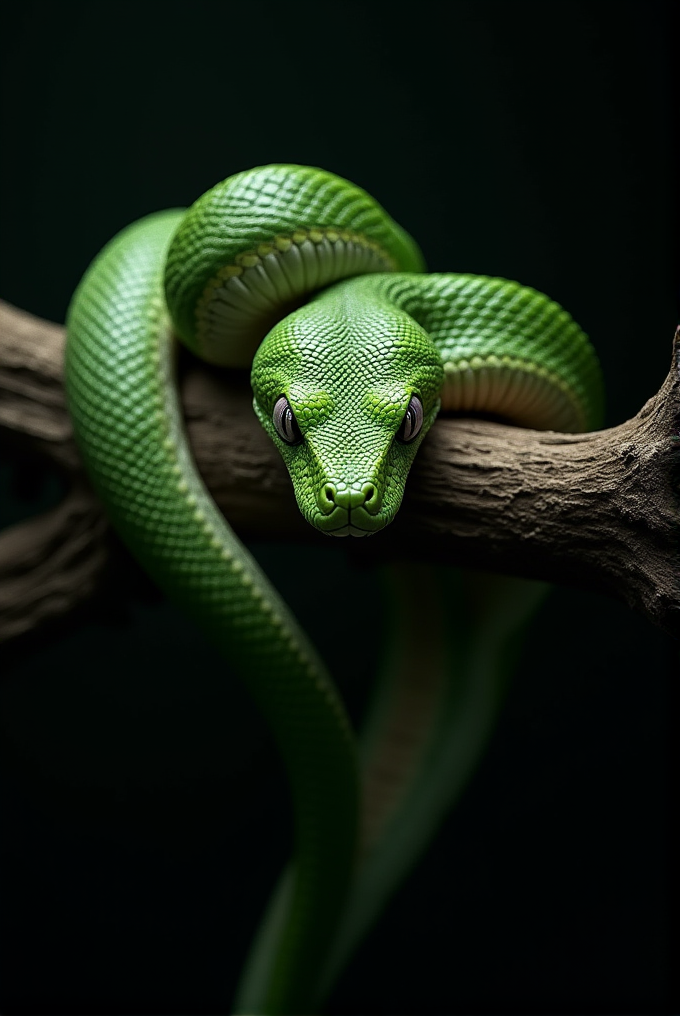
(452, 650)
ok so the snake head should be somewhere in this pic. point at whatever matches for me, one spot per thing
(347, 390)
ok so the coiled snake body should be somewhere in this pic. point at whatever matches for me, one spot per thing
(353, 351)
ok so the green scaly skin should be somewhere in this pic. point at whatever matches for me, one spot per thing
(306, 276)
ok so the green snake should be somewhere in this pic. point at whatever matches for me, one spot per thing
(302, 277)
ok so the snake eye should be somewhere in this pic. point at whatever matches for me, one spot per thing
(285, 423)
(412, 422)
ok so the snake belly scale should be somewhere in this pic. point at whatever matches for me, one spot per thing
(303, 277)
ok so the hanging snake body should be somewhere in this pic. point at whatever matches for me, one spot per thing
(304, 278)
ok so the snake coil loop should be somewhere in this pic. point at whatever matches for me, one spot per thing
(353, 351)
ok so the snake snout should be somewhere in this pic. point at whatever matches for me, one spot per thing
(340, 495)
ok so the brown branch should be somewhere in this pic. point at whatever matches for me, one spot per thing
(595, 510)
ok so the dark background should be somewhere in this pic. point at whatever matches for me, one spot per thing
(144, 813)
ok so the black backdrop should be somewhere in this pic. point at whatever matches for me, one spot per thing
(144, 815)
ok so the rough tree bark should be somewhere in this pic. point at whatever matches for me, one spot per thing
(598, 510)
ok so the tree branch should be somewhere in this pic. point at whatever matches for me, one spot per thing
(598, 510)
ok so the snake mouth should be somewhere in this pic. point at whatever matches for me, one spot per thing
(348, 531)
(350, 522)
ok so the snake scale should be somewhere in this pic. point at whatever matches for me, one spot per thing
(302, 277)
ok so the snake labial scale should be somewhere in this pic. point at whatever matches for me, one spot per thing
(353, 351)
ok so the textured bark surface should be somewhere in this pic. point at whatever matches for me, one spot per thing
(598, 510)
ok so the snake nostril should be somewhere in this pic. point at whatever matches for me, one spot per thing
(370, 492)
(326, 498)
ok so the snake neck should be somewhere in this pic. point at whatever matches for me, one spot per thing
(507, 351)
